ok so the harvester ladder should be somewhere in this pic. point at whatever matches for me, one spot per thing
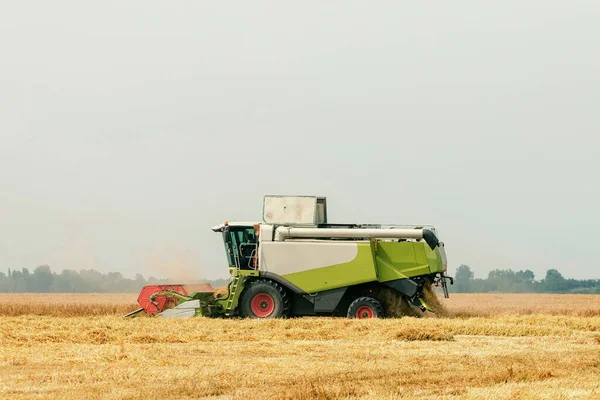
(232, 295)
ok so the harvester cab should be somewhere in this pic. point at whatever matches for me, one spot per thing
(294, 263)
(241, 245)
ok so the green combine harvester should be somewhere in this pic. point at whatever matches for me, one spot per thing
(295, 263)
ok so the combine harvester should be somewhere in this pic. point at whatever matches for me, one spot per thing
(295, 263)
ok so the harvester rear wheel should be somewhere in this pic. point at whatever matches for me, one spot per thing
(365, 307)
(264, 298)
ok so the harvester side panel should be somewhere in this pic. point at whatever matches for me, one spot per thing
(436, 259)
(401, 260)
(291, 256)
(314, 266)
(317, 266)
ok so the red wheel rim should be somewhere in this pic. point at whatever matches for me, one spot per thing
(364, 312)
(262, 305)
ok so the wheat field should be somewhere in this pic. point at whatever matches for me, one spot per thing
(492, 346)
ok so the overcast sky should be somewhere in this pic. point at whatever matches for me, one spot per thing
(129, 128)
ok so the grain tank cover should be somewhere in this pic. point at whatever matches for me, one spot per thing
(295, 210)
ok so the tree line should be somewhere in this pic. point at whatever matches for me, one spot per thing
(44, 280)
(509, 281)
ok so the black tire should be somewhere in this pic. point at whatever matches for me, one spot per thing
(263, 298)
(365, 307)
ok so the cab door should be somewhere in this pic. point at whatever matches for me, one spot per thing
(241, 247)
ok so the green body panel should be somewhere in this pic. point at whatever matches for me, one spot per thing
(359, 270)
(397, 260)
(435, 260)
(375, 261)
(243, 272)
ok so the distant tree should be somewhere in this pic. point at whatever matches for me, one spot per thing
(553, 274)
(501, 280)
(17, 282)
(463, 278)
(502, 274)
(554, 282)
(93, 279)
(526, 276)
(42, 279)
(69, 281)
(27, 280)
(139, 280)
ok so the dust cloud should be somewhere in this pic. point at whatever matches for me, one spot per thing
(175, 263)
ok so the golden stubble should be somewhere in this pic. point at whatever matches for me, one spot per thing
(509, 354)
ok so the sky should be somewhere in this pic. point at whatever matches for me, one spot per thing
(129, 129)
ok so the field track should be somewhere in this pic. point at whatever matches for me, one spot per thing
(495, 346)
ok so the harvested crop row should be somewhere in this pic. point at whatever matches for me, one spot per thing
(100, 357)
(26, 330)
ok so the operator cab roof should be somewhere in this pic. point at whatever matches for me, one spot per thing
(248, 224)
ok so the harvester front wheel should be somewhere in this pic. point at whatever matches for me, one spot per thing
(365, 307)
(264, 299)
